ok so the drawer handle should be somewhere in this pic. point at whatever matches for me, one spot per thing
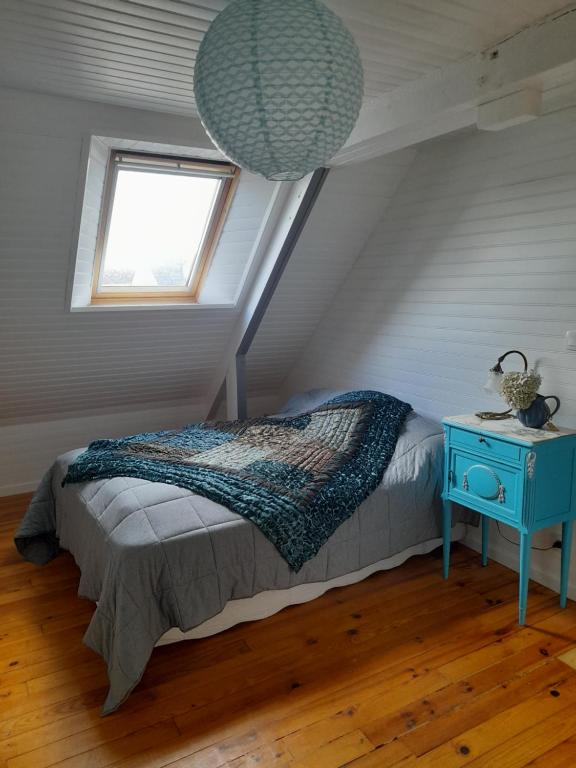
(465, 481)
(501, 491)
(482, 440)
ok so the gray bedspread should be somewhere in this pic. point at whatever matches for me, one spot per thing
(154, 556)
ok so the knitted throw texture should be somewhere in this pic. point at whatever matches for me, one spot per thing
(296, 478)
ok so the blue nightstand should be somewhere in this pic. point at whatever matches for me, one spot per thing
(519, 476)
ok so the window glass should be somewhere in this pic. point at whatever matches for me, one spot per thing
(156, 228)
(160, 223)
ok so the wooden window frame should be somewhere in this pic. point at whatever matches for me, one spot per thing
(155, 163)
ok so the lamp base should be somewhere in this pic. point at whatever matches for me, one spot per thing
(494, 416)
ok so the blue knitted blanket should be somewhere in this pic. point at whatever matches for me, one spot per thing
(296, 478)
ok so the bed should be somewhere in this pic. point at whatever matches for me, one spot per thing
(164, 564)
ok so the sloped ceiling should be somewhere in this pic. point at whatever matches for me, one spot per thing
(53, 361)
(141, 52)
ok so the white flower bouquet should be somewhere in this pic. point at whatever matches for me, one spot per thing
(519, 390)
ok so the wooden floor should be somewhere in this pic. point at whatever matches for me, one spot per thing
(402, 669)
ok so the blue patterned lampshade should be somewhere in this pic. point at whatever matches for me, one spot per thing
(278, 85)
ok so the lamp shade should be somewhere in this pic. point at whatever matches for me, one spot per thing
(493, 383)
(278, 85)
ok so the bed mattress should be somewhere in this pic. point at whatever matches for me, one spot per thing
(155, 556)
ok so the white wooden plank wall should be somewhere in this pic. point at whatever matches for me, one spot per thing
(475, 255)
(345, 214)
(76, 371)
(27, 449)
(236, 244)
(55, 362)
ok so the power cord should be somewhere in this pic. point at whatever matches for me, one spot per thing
(555, 545)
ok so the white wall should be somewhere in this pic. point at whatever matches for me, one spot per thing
(53, 361)
(27, 449)
(343, 218)
(475, 255)
(69, 377)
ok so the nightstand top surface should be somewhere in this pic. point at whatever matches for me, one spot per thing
(510, 428)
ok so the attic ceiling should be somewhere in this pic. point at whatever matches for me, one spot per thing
(140, 53)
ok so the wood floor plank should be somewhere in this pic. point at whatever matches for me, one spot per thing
(45, 670)
(13, 507)
(513, 723)
(452, 715)
(311, 737)
(334, 753)
(42, 649)
(95, 757)
(517, 751)
(403, 669)
(560, 756)
(268, 756)
(392, 755)
(509, 646)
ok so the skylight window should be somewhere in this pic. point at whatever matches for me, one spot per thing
(161, 220)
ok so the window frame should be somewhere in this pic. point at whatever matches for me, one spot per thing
(150, 162)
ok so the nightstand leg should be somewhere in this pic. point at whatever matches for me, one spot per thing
(525, 544)
(446, 535)
(485, 529)
(565, 566)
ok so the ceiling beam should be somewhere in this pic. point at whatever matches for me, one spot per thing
(447, 99)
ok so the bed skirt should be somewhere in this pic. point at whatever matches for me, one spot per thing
(268, 603)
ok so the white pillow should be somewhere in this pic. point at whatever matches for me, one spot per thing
(305, 401)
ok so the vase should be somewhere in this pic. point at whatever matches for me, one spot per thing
(538, 413)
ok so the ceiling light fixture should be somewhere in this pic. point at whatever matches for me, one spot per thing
(278, 85)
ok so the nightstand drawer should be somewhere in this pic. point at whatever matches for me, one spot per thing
(484, 484)
(485, 445)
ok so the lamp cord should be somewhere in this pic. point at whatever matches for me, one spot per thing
(515, 543)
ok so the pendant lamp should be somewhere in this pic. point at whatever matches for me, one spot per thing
(278, 85)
